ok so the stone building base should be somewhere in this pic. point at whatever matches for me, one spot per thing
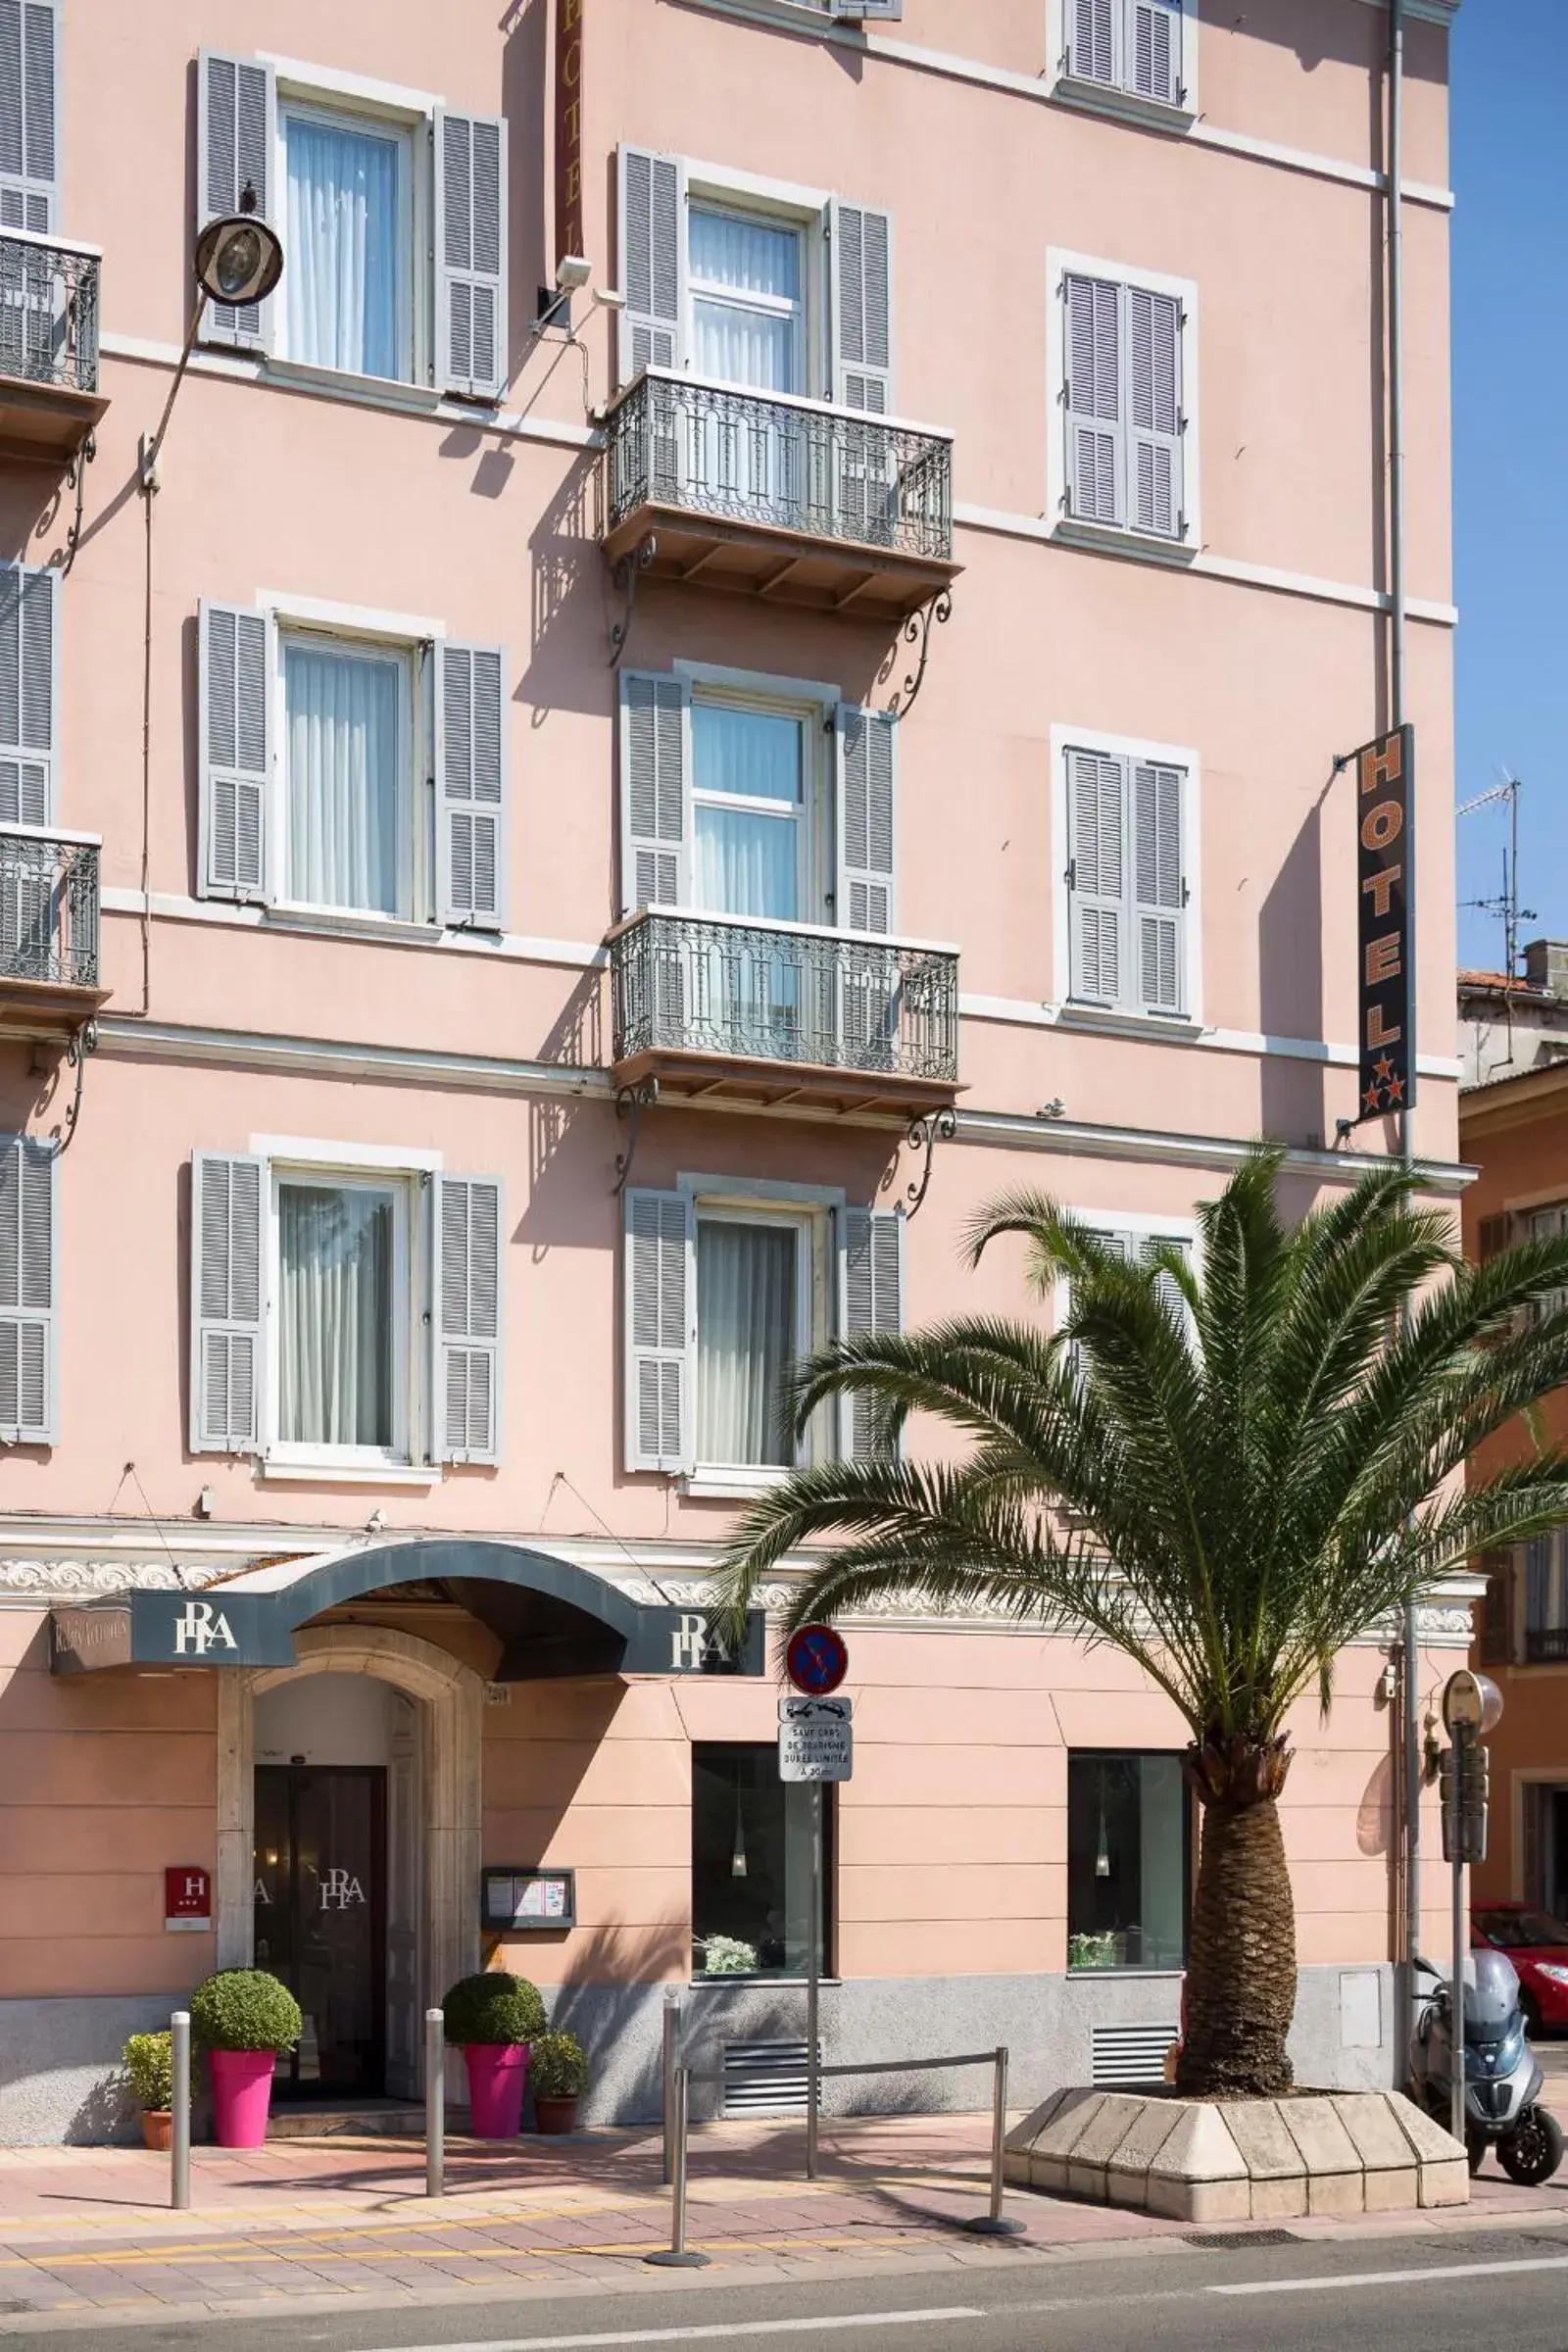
(1247, 2160)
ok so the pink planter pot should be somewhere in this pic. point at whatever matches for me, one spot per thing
(242, 2087)
(497, 2076)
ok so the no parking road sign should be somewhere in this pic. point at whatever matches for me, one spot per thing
(817, 1660)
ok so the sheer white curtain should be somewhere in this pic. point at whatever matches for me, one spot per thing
(748, 864)
(341, 281)
(745, 1339)
(741, 342)
(344, 834)
(336, 1252)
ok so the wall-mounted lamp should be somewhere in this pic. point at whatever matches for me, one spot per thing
(572, 273)
(238, 259)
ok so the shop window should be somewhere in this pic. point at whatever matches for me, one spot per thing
(752, 1866)
(1129, 1861)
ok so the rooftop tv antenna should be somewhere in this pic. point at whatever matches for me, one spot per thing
(1505, 905)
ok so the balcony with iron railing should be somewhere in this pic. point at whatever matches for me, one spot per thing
(1545, 1645)
(49, 976)
(49, 397)
(722, 1008)
(790, 500)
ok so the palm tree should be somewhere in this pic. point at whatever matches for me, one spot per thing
(1226, 1471)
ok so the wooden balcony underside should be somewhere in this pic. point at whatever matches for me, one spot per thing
(46, 423)
(731, 1079)
(780, 565)
(47, 1012)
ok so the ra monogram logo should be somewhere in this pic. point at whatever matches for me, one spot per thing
(340, 1890)
(693, 1643)
(200, 1628)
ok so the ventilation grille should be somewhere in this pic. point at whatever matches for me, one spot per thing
(1129, 2056)
(765, 2078)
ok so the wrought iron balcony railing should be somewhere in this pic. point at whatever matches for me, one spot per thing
(1545, 1645)
(783, 993)
(791, 465)
(48, 907)
(48, 311)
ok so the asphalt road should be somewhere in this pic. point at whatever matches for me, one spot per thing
(1479, 2291)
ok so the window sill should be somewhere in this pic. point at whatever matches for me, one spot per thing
(321, 1470)
(395, 390)
(732, 1485)
(1118, 539)
(1170, 1028)
(1166, 1976)
(287, 914)
(762, 1977)
(1123, 106)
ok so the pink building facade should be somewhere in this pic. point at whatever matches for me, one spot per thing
(554, 850)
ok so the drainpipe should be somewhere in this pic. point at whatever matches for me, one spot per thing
(1397, 714)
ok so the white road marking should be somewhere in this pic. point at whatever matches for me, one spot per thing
(1349, 2278)
(708, 2334)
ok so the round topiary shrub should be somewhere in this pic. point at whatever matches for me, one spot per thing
(557, 2067)
(149, 2065)
(245, 2009)
(493, 2009)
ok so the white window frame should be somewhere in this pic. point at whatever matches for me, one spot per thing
(416, 847)
(773, 306)
(1059, 265)
(349, 106)
(1114, 98)
(1065, 739)
(811, 816)
(773, 204)
(410, 1275)
(814, 1211)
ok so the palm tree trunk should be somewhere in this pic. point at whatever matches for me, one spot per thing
(1241, 1968)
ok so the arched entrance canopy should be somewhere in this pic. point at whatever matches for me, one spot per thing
(552, 1617)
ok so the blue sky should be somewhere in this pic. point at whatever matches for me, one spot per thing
(1511, 368)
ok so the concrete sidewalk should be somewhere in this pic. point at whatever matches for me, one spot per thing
(336, 2224)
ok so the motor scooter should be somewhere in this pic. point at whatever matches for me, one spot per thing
(1502, 2079)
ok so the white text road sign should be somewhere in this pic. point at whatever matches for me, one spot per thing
(815, 1740)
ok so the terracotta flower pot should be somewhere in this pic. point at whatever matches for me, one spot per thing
(157, 2126)
(242, 2090)
(555, 2115)
(497, 2076)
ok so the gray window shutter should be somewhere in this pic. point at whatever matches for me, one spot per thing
(1095, 439)
(467, 1286)
(29, 102)
(872, 1301)
(655, 790)
(471, 255)
(1096, 879)
(861, 270)
(471, 785)
(851, 12)
(1160, 888)
(226, 1301)
(1153, 370)
(238, 666)
(29, 694)
(653, 261)
(1091, 40)
(29, 1257)
(865, 829)
(659, 1280)
(1154, 50)
(237, 120)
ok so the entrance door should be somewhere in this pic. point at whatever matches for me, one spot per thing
(321, 1919)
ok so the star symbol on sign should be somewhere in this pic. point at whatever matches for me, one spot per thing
(1396, 1090)
(1383, 1068)
(1372, 1093)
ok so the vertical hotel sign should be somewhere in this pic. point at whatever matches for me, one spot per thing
(1384, 781)
(570, 237)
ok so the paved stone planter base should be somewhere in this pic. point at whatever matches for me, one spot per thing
(1250, 2160)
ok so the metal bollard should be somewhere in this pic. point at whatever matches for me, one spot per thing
(435, 2103)
(992, 2224)
(179, 2121)
(675, 2257)
(673, 2023)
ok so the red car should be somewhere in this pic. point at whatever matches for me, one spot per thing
(1537, 1945)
